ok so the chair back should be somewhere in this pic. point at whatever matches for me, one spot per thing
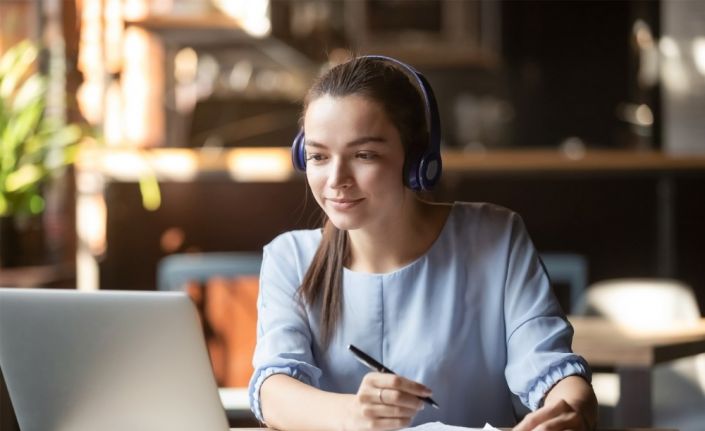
(176, 270)
(568, 273)
(224, 287)
(643, 303)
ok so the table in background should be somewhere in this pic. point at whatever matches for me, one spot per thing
(633, 354)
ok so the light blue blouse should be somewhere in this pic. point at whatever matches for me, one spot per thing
(474, 319)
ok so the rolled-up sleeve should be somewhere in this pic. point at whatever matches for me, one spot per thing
(283, 333)
(538, 335)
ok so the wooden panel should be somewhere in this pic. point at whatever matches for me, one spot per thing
(18, 20)
(229, 311)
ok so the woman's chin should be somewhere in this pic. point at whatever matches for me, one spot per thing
(344, 222)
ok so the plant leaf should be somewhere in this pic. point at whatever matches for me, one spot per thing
(32, 90)
(19, 129)
(10, 57)
(32, 145)
(36, 204)
(58, 155)
(4, 207)
(23, 177)
(151, 194)
(22, 56)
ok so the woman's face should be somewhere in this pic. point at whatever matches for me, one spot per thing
(354, 161)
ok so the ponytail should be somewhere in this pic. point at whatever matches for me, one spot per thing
(323, 283)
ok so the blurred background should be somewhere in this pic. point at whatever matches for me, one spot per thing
(168, 126)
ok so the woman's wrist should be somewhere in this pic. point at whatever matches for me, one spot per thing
(577, 392)
(346, 412)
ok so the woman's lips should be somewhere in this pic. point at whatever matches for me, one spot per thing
(343, 204)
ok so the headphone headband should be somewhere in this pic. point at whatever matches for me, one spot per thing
(421, 174)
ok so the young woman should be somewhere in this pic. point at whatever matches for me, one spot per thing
(452, 297)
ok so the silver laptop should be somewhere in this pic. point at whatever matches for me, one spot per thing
(106, 361)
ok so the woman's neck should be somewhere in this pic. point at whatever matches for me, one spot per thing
(399, 242)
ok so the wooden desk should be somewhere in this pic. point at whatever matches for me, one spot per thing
(633, 354)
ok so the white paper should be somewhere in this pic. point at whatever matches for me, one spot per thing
(440, 426)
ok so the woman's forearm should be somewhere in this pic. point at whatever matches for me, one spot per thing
(579, 394)
(290, 405)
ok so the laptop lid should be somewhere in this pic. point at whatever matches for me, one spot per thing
(108, 360)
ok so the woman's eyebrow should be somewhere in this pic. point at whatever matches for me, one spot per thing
(359, 141)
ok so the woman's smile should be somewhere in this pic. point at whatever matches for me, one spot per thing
(343, 204)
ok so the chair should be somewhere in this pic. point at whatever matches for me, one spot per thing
(567, 269)
(176, 270)
(679, 386)
(224, 287)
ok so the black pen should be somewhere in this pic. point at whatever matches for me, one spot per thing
(372, 364)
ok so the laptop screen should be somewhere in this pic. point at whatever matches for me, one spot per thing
(108, 360)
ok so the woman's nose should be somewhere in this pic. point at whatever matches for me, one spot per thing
(340, 176)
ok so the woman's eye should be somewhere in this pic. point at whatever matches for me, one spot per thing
(315, 157)
(364, 155)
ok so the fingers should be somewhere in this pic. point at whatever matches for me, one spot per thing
(381, 417)
(393, 397)
(562, 422)
(378, 388)
(392, 381)
(387, 411)
(559, 416)
(386, 402)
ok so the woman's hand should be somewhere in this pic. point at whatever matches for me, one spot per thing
(559, 416)
(384, 402)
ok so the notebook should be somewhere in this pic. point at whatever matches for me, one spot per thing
(107, 360)
(440, 426)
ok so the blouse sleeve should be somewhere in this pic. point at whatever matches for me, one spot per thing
(283, 334)
(538, 335)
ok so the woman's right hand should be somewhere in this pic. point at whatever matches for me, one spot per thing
(384, 402)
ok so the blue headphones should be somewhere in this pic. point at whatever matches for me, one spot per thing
(423, 173)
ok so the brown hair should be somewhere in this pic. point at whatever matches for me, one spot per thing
(383, 83)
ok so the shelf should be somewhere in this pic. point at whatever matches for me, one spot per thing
(209, 30)
(542, 160)
(199, 22)
(273, 164)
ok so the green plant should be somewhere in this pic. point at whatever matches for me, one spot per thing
(33, 145)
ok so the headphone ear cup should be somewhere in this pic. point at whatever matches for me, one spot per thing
(298, 152)
(429, 171)
(412, 177)
(423, 172)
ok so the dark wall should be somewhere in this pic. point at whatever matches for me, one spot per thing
(569, 66)
(214, 215)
